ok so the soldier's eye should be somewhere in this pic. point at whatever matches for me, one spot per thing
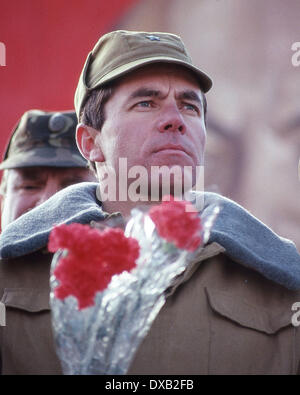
(145, 104)
(191, 107)
(28, 187)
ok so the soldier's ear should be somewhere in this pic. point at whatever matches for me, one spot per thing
(86, 139)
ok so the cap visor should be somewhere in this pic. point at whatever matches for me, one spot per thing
(59, 157)
(204, 81)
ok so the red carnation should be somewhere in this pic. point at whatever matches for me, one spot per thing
(178, 222)
(93, 258)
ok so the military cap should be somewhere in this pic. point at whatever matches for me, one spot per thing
(120, 52)
(44, 139)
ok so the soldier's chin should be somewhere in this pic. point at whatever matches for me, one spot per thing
(180, 158)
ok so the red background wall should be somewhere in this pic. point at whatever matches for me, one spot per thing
(46, 43)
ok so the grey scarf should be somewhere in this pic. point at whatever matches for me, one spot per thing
(245, 239)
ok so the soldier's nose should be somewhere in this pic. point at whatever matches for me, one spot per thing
(172, 121)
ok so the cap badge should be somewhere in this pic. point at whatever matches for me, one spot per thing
(151, 37)
(57, 122)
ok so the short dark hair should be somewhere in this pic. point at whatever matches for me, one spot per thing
(3, 184)
(93, 110)
(204, 106)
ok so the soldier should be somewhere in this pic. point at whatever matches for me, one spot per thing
(141, 98)
(41, 158)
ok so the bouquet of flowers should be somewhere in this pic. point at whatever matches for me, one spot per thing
(107, 287)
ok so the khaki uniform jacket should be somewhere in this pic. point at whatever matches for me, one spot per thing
(220, 318)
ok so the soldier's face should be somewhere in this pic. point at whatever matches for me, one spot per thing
(154, 118)
(29, 187)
